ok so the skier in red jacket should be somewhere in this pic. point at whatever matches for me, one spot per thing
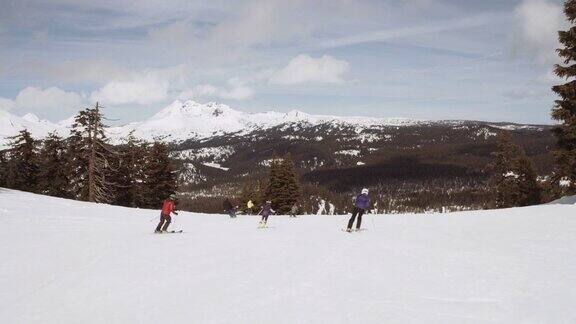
(168, 207)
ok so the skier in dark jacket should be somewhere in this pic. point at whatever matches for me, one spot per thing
(361, 204)
(168, 207)
(229, 208)
(265, 211)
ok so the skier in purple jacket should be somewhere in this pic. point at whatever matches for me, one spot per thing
(265, 212)
(361, 204)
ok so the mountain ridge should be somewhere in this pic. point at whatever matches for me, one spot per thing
(188, 119)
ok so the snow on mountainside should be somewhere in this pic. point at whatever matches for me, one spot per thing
(184, 120)
(66, 261)
(11, 124)
(189, 119)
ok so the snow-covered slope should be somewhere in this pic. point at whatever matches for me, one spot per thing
(567, 200)
(73, 262)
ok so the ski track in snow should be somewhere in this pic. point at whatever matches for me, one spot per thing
(74, 262)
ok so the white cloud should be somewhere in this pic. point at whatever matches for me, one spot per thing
(538, 22)
(49, 98)
(41, 36)
(145, 87)
(85, 70)
(236, 90)
(304, 68)
(200, 90)
(70, 71)
(435, 27)
(6, 104)
(179, 34)
(257, 22)
(142, 89)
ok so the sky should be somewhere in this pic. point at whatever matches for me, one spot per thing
(427, 59)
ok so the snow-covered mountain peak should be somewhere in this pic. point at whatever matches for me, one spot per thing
(67, 123)
(296, 115)
(31, 118)
(190, 108)
(11, 124)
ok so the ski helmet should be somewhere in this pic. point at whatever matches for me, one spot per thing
(268, 201)
(365, 191)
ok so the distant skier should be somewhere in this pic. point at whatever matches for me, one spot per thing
(249, 206)
(229, 208)
(265, 212)
(168, 207)
(361, 204)
(294, 210)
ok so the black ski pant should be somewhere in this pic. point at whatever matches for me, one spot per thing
(356, 212)
(265, 218)
(164, 220)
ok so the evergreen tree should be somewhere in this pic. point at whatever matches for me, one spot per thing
(514, 179)
(283, 187)
(129, 173)
(160, 175)
(53, 177)
(255, 191)
(4, 168)
(90, 157)
(23, 164)
(274, 186)
(565, 108)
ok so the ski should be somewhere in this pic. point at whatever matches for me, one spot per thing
(352, 231)
(170, 232)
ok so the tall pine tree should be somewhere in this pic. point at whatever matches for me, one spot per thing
(160, 175)
(565, 108)
(283, 186)
(23, 164)
(514, 179)
(129, 173)
(53, 178)
(91, 157)
(4, 168)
